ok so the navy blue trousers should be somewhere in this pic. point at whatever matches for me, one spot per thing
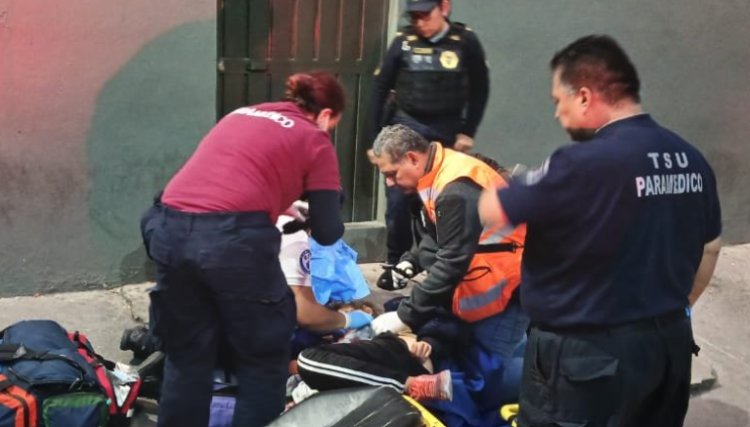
(636, 374)
(398, 223)
(219, 281)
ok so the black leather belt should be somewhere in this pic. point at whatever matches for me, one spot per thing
(647, 324)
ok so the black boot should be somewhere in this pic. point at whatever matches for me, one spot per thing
(140, 341)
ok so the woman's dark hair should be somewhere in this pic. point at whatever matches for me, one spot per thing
(314, 91)
(494, 164)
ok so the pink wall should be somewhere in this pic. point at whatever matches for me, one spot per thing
(56, 56)
(55, 59)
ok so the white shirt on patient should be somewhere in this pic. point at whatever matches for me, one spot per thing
(294, 255)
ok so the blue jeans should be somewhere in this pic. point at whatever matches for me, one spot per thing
(503, 332)
(219, 282)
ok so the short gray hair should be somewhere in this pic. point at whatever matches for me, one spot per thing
(396, 140)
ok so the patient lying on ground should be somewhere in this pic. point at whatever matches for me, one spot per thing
(405, 362)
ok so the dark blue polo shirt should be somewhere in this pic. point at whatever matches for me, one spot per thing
(616, 226)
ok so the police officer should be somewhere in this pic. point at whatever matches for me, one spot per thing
(623, 236)
(213, 239)
(434, 79)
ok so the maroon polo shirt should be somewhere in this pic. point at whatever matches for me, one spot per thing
(256, 159)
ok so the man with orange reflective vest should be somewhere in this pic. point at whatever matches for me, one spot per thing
(472, 272)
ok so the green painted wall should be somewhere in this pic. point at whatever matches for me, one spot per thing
(148, 120)
(692, 56)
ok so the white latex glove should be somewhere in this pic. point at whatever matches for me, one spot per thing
(388, 322)
(299, 210)
(464, 143)
(401, 274)
(302, 392)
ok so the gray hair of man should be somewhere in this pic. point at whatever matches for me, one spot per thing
(397, 140)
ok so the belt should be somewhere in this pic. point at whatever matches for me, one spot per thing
(212, 220)
(647, 324)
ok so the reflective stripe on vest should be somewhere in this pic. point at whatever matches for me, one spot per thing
(478, 301)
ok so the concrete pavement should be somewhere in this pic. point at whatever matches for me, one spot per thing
(721, 324)
(721, 321)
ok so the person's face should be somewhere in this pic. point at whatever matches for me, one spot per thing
(571, 107)
(427, 24)
(404, 174)
(327, 120)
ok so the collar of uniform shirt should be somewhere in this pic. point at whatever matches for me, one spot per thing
(439, 36)
(618, 119)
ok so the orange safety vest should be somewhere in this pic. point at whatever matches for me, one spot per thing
(495, 270)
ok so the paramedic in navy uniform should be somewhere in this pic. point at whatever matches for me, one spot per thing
(216, 249)
(623, 236)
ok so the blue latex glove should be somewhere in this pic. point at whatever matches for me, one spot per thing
(357, 319)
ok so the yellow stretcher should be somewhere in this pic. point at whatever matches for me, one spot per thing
(507, 412)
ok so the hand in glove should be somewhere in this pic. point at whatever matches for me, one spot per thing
(357, 319)
(401, 274)
(388, 322)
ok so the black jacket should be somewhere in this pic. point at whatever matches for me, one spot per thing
(445, 252)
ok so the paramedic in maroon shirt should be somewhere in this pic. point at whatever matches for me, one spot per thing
(216, 248)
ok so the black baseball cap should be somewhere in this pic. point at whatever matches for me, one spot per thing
(421, 5)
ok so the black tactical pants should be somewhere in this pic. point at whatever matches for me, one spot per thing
(219, 281)
(636, 374)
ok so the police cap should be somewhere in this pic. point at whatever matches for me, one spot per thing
(421, 5)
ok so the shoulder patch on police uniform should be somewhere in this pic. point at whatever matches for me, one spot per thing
(532, 176)
(455, 37)
(411, 37)
(304, 261)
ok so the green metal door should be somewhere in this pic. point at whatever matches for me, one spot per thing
(261, 42)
